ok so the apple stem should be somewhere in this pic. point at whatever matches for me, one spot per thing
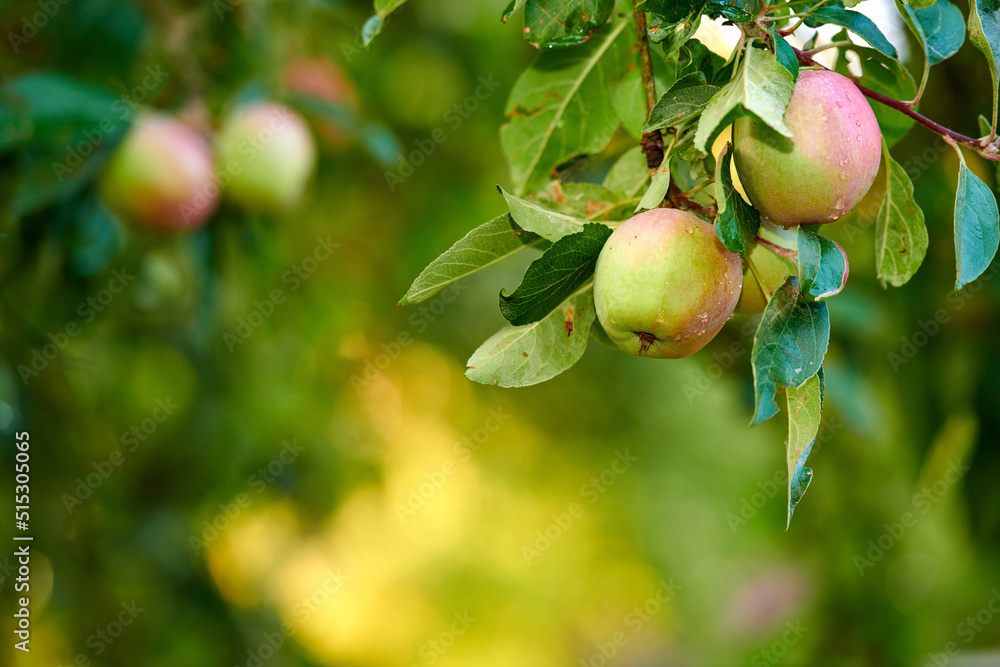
(652, 142)
(777, 249)
(989, 151)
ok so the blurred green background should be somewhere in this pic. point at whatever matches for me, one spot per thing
(331, 490)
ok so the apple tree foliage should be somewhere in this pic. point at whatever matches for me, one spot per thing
(605, 65)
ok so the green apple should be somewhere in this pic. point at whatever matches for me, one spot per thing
(826, 169)
(772, 268)
(267, 152)
(664, 284)
(161, 176)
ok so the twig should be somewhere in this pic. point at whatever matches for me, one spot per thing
(652, 142)
(987, 150)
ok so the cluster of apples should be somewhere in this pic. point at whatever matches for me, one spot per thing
(167, 175)
(665, 285)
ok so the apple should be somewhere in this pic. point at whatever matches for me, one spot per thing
(772, 269)
(268, 154)
(321, 79)
(821, 174)
(664, 284)
(161, 176)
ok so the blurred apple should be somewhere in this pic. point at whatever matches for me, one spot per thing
(161, 176)
(268, 154)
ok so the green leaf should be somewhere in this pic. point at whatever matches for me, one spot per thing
(737, 224)
(887, 76)
(681, 103)
(555, 24)
(762, 87)
(672, 36)
(939, 28)
(587, 201)
(51, 111)
(856, 22)
(483, 246)
(738, 11)
(805, 409)
(657, 187)
(512, 9)
(785, 54)
(628, 174)
(373, 26)
(696, 57)
(789, 347)
(554, 276)
(560, 106)
(629, 99)
(823, 267)
(900, 232)
(671, 11)
(977, 226)
(533, 217)
(523, 356)
(984, 32)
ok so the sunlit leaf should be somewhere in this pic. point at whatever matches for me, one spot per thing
(900, 232)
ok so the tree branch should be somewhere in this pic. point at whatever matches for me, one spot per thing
(652, 142)
(988, 151)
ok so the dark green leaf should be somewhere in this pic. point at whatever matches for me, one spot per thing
(628, 174)
(483, 246)
(977, 226)
(523, 356)
(823, 266)
(373, 26)
(805, 409)
(738, 11)
(554, 276)
(789, 347)
(696, 57)
(856, 22)
(940, 30)
(672, 12)
(554, 24)
(512, 9)
(785, 54)
(682, 102)
(737, 224)
(900, 234)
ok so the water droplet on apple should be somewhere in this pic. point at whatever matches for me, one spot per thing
(858, 123)
(689, 230)
(859, 137)
(823, 116)
(840, 104)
